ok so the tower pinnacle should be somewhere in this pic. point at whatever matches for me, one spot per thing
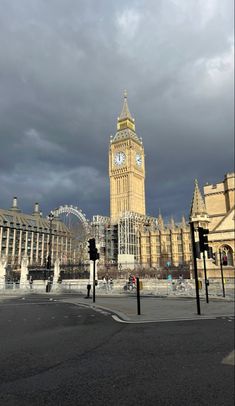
(198, 208)
(198, 205)
(125, 120)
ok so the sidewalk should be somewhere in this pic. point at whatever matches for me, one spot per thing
(155, 309)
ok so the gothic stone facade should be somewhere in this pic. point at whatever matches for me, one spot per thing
(219, 201)
(28, 235)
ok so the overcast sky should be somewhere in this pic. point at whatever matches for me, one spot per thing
(64, 65)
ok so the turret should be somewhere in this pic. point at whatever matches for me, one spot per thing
(36, 211)
(198, 213)
(15, 205)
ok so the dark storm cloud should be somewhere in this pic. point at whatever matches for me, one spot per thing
(63, 68)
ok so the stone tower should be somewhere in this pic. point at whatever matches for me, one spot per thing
(126, 168)
(198, 214)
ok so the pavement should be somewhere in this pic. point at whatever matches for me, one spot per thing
(152, 308)
(155, 309)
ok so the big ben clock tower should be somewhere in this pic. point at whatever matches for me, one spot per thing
(126, 168)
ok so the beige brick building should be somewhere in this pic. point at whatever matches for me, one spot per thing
(165, 245)
(140, 239)
(28, 235)
(215, 212)
(126, 168)
(219, 201)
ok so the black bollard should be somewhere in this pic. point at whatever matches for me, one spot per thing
(88, 290)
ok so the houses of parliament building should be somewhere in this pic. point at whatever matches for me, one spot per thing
(128, 237)
(131, 237)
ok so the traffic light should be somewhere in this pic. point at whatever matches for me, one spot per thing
(197, 250)
(92, 250)
(203, 239)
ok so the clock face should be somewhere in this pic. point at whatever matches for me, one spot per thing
(138, 159)
(119, 158)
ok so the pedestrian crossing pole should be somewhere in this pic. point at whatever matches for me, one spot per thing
(93, 281)
(222, 273)
(195, 267)
(138, 295)
(94, 255)
(203, 244)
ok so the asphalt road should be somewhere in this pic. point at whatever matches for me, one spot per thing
(59, 354)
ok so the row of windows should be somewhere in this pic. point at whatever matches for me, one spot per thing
(121, 184)
(164, 238)
(167, 249)
(11, 231)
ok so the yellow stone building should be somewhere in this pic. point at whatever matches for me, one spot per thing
(148, 240)
(165, 245)
(216, 213)
(219, 201)
(126, 168)
(129, 233)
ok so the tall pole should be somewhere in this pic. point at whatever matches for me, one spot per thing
(222, 273)
(138, 295)
(205, 275)
(93, 281)
(50, 218)
(195, 268)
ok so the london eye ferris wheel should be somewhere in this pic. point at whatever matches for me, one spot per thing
(79, 228)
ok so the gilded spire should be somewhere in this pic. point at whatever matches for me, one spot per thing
(198, 206)
(125, 109)
(126, 125)
(125, 120)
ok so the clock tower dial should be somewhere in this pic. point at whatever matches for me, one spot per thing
(126, 168)
(138, 159)
(119, 158)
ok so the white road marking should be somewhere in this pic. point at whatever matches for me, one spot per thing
(116, 318)
(229, 359)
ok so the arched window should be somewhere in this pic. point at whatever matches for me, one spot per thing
(226, 255)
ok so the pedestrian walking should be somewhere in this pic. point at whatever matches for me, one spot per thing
(88, 290)
(110, 283)
(104, 280)
(133, 280)
(31, 282)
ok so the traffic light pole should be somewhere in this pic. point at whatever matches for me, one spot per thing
(205, 275)
(138, 295)
(222, 273)
(195, 268)
(93, 281)
(94, 255)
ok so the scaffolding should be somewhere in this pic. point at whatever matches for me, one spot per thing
(129, 226)
(121, 239)
(99, 225)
